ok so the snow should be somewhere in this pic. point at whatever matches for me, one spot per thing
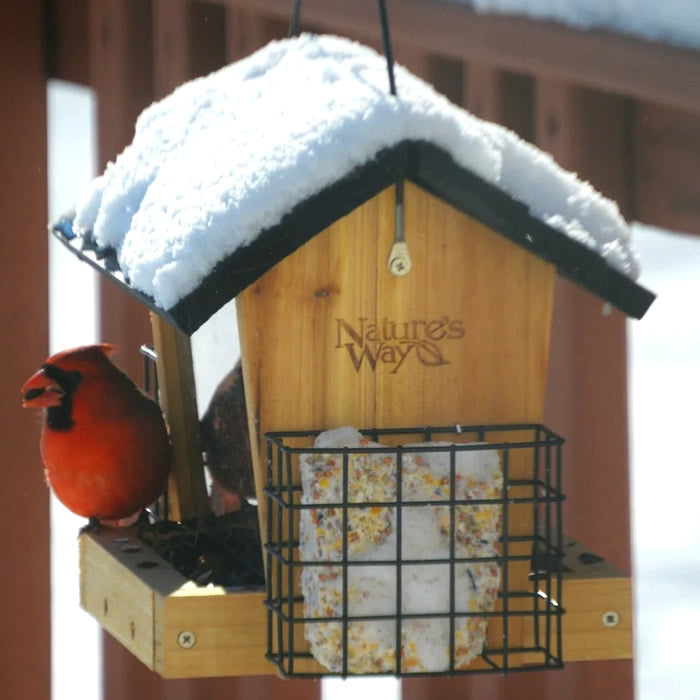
(664, 356)
(373, 688)
(226, 156)
(673, 21)
(76, 648)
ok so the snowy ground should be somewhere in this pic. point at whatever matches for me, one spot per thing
(664, 390)
(76, 659)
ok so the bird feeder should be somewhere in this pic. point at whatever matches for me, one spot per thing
(392, 261)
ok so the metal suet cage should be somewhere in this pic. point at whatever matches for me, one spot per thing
(298, 629)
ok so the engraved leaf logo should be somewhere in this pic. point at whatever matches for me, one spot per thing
(429, 354)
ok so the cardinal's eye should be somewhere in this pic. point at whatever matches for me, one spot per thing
(67, 381)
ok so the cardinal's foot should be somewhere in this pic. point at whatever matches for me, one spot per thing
(93, 525)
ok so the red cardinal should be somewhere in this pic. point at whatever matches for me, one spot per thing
(104, 443)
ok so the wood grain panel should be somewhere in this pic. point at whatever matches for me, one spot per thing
(187, 492)
(329, 337)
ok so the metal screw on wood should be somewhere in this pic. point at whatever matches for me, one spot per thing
(186, 639)
(399, 262)
(400, 265)
(611, 618)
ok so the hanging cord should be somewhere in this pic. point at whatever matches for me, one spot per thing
(386, 43)
(294, 19)
(399, 262)
(386, 36)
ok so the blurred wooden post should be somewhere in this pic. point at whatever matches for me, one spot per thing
(119, 48)
(586, 385)
(187, 492)
(667, 168)
(25, 645)
(483, 91)
(171, 45)
(587, 391)
(248, 31)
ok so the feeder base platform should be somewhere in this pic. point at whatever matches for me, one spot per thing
(174, 627)
(182, 631)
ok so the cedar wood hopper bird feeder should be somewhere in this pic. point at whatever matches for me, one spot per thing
(393, 289)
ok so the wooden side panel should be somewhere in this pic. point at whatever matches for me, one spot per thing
(599, 611)
(116, 597)
(229, 634)
(187, 491)
(598, 620)
(593, 604)
(329, 337)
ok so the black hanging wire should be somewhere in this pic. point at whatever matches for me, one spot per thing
(294, 19)
(389, 55)
(386, 36)
(386, 43)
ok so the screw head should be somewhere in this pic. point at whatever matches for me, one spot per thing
(399, 266)
(399, 262)
(611, 618)
(186, 639)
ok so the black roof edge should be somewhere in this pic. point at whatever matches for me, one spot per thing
(435, 171)
(424, 164)
(104, 260)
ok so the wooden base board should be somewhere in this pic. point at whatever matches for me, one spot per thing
(597, 600)
(182, 631)
(167, 622)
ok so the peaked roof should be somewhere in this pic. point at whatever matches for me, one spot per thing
(233, 172)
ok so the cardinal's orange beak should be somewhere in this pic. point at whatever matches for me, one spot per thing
(40, 392)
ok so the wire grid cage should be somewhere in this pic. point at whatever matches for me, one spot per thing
(489, 600)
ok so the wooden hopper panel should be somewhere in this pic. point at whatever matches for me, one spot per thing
(329, 337)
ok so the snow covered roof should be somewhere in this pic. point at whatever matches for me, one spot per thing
(232, 172)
